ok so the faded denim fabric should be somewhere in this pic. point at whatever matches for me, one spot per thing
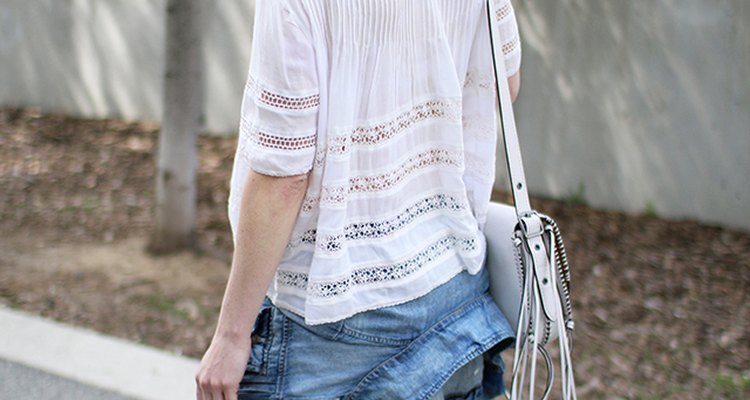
(407, 351)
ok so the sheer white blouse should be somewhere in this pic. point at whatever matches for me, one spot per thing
(390, 105)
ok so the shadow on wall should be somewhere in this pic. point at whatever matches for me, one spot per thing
(86, 58)
(106, 58)
(227, 51)
(627, 105)
(639, 104)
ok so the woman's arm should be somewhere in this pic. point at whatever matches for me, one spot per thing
(268, 212)
(514, 82)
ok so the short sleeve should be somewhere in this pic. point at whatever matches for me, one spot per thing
(278, 127)
(505, 22)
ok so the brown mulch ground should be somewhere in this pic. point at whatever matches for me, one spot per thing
(661, 306)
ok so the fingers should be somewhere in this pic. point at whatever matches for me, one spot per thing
(214, 389)
(216, 394)
(230, 394)
(198, 391)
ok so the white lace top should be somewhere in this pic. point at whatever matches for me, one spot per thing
(390, 104)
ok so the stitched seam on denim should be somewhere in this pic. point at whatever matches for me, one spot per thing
(374, 375)
(375, 339)
(343, 333)
(285, 337)
(329, 334)
(491, 341)
(267, 344)
(445, 377)
(416, 343)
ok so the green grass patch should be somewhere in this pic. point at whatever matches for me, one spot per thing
(732, 387)
(162, 304)
(649, 210)
(208, 312)
(577, 197)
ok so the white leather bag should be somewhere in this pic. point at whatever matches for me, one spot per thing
(526, 261)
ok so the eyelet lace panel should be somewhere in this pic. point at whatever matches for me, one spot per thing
(376, 274)
(331, 196)
(448, 110)
(250, 134)
(379, 229)
(320, 158)
(282, 102)
(503, 12)
(312, 198)
(292, 279)
(484, 81)
(277, 142)
(504, 15)
(308, 204)
(510, 46)
(336, 196)
(435, 157)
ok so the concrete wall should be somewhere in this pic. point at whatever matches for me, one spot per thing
(105, 58)
(639, 104)
(628, 105)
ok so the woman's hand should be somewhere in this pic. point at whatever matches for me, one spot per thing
(268, 212)
(222, 369)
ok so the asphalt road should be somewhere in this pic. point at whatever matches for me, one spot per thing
(18, 382)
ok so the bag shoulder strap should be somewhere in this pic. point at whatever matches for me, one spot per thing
(507, 121)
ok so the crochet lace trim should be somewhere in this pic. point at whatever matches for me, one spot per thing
(503, 12)
(378, 229)
(375, 274)
(510, 46)
(279, 101)
(250, 134)
(434, 157)
(336, 196)
(449, 110)
(484, 81)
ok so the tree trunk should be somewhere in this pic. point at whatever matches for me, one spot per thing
(177, 162)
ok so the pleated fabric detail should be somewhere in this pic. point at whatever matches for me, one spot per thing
(389, 104)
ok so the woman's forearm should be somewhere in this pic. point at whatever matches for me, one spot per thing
(514, 82)
(268, 212)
